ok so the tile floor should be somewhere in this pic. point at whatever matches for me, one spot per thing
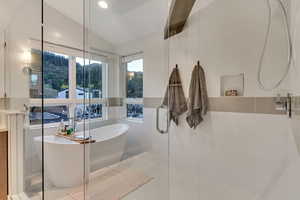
(155, 185)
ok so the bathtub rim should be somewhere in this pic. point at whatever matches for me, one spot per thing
(64, 141)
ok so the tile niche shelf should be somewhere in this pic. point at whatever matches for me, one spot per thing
(232, 82)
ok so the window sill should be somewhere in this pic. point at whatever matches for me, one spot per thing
(56, 124)
(46, 126)
(135, 120)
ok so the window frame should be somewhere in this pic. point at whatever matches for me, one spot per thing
(127, 100)
(72, 101)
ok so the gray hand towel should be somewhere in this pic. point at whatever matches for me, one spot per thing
(174, 97)
(198, 99)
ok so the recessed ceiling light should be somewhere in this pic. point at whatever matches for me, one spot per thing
(102, 4)
(57, 34)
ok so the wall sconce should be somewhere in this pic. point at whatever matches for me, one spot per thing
(130, 75)
(26, 59)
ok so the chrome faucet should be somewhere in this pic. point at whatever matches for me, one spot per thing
(284, 104)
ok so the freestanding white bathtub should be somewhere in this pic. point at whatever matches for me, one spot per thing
(66, 161)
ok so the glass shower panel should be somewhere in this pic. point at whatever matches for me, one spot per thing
(21, 23)
(294, 77)
(64, 95)
(129, 157)
(244, 147)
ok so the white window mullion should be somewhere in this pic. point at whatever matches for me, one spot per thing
(104, 80)
(72, 84)
(103, 100)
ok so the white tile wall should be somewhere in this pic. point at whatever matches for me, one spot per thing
(233, 156)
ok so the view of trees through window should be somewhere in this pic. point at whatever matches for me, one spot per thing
(135, 87)
(56, 75)
(135, 79)
(89, 77)
(57, 68)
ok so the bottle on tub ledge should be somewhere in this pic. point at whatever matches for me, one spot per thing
(65, 129)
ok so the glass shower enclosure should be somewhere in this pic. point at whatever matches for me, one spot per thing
(97, 89)
(84, 86)
(81, 117)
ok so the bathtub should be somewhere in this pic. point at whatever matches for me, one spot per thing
(66, 162)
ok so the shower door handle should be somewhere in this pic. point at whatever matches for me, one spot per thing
(158, 120)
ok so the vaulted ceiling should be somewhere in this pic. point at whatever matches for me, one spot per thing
(123, 21)
(7, 10)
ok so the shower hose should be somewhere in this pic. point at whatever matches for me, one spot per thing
(290, 50)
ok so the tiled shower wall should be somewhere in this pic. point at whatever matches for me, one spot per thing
(262, 105)
(233, 156)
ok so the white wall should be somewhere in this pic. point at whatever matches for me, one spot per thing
(156, 68)
(223, 159)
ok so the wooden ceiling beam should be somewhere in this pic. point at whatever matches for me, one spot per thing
(179, 12)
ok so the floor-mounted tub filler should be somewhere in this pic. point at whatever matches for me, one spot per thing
(65, 158)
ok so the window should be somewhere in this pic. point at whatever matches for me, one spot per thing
(34, 79)
(88, 82)
(134, 89)
(52, 114)
(135, 111)
(67, 81)
(56, 76)
(35, 75)
(90, 111)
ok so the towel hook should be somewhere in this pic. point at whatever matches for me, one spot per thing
(176, 66)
